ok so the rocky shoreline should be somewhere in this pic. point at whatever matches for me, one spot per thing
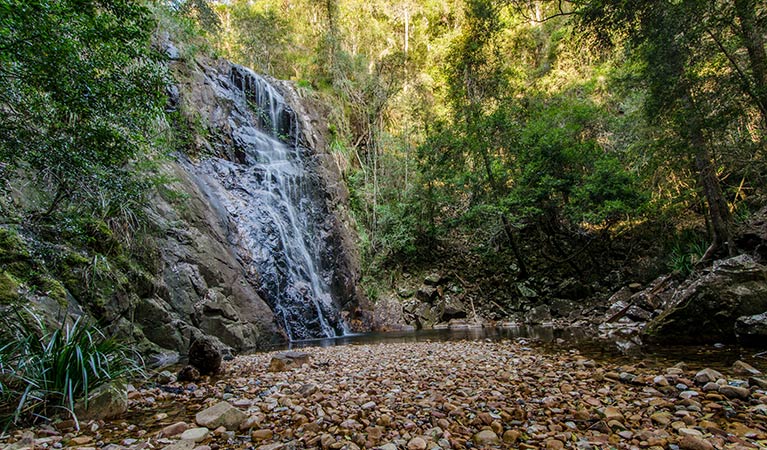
(429, 395)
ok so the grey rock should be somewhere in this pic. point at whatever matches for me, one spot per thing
(752, 330)
(707, 375)
(165, 377)
(221, 414)
(538, 314)
(105, 402)
(427, 294)
(434, 279)
(195, 434)
(452, 308)
(705, 310)
(181, 445)
(636, 313)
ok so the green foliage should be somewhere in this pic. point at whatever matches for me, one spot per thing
(45, 372)
(200, 11)
(258, 36)
(9, 288)
(81, 91)
(607, 194)
(685, 255)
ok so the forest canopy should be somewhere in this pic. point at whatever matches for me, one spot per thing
(534, 124)
(521, 130)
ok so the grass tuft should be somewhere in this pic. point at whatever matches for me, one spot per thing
(44, 373)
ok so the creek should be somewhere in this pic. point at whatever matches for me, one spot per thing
(554, 339)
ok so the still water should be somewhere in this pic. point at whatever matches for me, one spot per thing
(551, 339)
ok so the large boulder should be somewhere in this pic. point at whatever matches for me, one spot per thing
(288, 360)
(205, 356)
(752, 330)
(388, 314)
(705, 310)
(539, 314)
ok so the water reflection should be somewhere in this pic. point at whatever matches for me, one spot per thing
(545, 334)
(551, 339)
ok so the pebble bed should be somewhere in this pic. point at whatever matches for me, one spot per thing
(436, 395)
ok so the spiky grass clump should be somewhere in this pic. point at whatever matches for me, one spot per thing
(44, 373)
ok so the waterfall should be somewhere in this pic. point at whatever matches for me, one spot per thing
(275, 201)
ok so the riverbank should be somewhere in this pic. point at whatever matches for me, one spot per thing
(458, 394)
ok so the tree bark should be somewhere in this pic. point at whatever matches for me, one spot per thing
(754, 42)
(718, 211)
(507, 228)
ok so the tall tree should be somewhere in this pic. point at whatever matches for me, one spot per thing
(79, 93)
(668, 37)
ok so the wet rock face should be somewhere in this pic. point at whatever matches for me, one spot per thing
(706, 310)
(211, 278)
(202, 287)
(277, 201)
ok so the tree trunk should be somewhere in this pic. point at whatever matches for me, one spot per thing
(754, 42)
(718, 211)
(523, 273)
(507, 228)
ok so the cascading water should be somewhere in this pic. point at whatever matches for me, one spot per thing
(276, 206)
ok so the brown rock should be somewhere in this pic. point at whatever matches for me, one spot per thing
(288, 360)
(612, 413)
(81, 440)
(262, 434)
(661, 418)
(742, 368)
(554, 444)
(174, 430)
(188, 373)
(694, 443)
(511, 436)
(416, 443)
(486, 437)
(734, 392)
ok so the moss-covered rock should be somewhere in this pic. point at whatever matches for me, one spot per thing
(14, 254)
(52, 288)
(9, 288)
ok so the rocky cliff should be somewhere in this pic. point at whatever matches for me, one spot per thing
(209, 262)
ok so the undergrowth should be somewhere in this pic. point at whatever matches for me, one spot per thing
(44, 373)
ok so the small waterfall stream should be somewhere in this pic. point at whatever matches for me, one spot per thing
(277, 206)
